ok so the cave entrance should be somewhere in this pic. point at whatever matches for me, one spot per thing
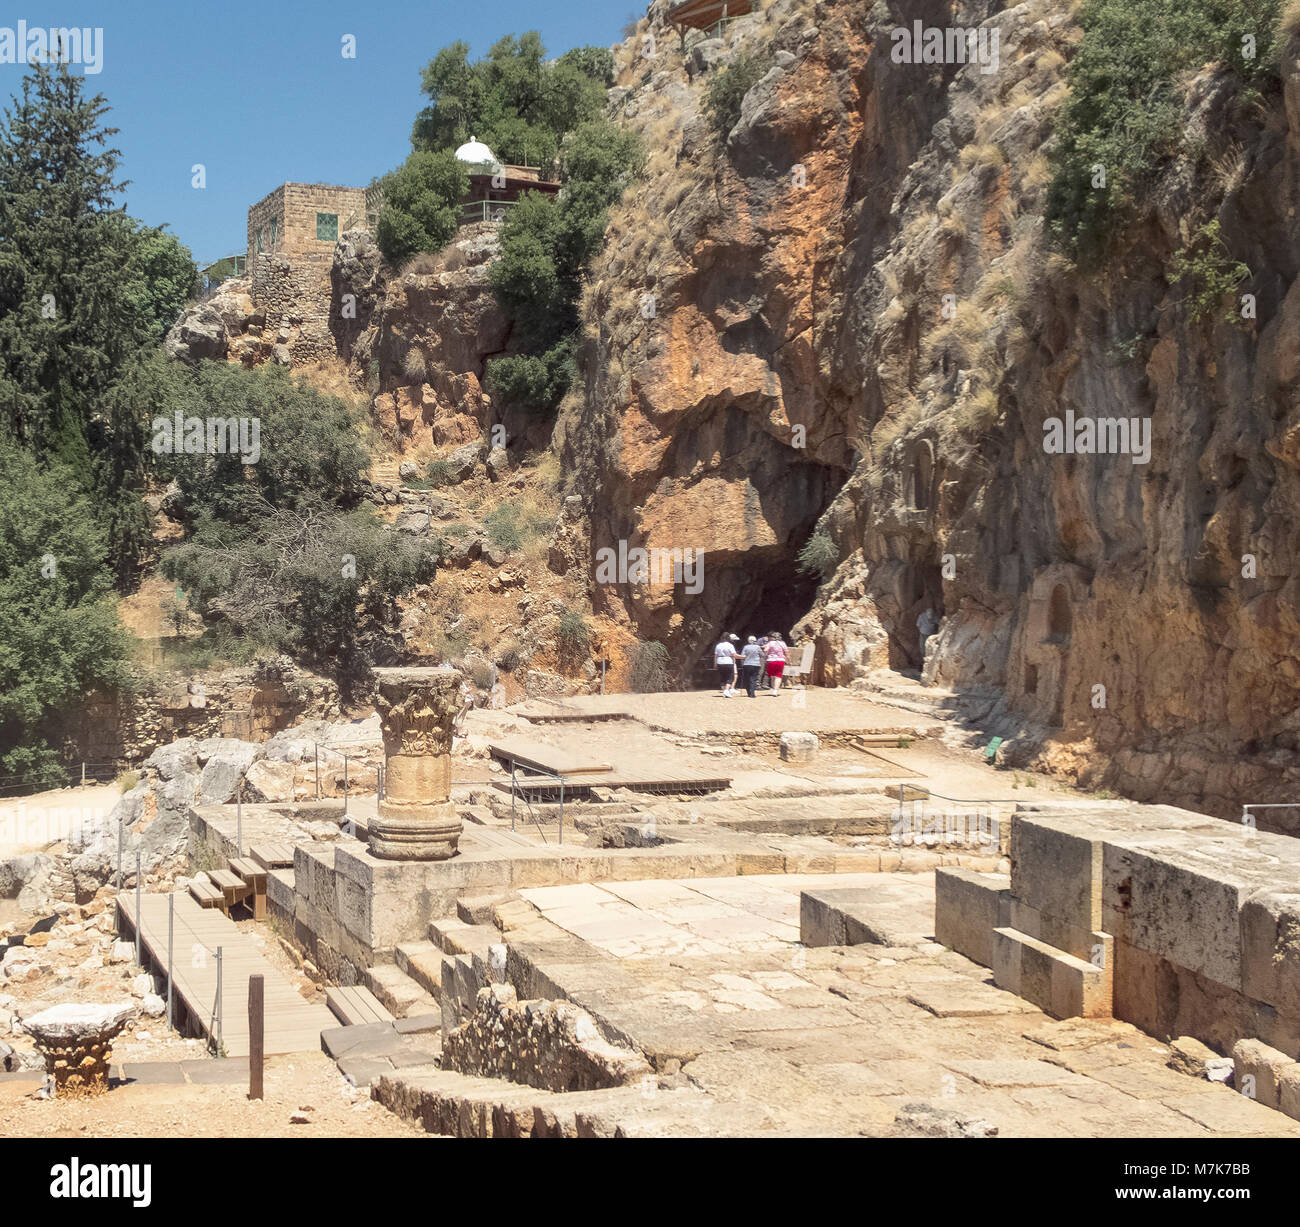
(774, 602)
(919, 587)
(779, 605)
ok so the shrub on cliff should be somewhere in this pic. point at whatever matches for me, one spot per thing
(727, 90)
(317, 583)
(421, 205)
(308, 450)
(818, 555)
(1123, 119)
(546, 245)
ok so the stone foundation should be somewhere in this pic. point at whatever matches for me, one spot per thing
(1179, 923)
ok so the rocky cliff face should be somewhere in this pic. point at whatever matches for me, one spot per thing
(1129, 622)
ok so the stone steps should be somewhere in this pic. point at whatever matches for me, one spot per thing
(401, 995)
(422, 962)
(452, 935)
(1059, 983)
(477, 910)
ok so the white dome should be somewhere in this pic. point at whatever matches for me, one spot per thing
(474, 152)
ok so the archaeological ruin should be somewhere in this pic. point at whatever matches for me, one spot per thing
(764, 606)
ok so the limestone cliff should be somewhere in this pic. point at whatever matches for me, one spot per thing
(864, 258)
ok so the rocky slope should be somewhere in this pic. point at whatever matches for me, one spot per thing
(842, 320)
(1103, 609)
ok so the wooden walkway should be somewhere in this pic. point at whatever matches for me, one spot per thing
(292, 1024)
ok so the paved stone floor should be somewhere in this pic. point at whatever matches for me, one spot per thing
(788, 1040)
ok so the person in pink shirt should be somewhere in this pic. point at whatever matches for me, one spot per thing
(774, 655)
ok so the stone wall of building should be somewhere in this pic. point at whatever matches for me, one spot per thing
(290, 275)
(551, 1045)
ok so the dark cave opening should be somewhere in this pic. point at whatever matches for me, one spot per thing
(918, 587)
(774, 601)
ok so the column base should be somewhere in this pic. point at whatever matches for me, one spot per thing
(415, 831)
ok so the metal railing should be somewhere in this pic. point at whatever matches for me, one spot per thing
(1248, 819)
(924, 794)
(216, 1017)
(514, 791)
(485, 211)
(25, 783)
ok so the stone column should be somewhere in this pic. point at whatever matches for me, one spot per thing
(416, 821)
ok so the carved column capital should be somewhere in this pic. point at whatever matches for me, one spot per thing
(416, 820)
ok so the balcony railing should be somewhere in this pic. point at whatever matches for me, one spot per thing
(485, 211)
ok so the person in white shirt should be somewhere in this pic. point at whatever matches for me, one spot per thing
(724, 657)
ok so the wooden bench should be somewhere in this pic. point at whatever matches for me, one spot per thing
(272, 856)
(253, 876)
(206, 895)
(355, 1006)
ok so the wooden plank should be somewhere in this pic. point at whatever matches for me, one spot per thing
(272, 856)
(354, 1006)
(291, 1023)
(206, 894)
(546, 758)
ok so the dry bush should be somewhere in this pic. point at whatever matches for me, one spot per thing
(414, 365)
(962, 337)
(892, 427)
(981, 154)
(421, 264)
(976, 412)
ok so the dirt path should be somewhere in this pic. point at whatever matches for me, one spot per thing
(306, 1084)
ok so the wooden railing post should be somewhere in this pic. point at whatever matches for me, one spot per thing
(256, 1035)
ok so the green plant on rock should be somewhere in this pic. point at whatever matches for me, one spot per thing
(1206, 266)
(1124, 118)
(648, 668)
(818, 555)
(727, 90)
(572, 632)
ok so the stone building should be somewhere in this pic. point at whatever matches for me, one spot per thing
(291, 237)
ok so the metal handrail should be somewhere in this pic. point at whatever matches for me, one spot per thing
(479, 210)
(922, 794)
(514, 791)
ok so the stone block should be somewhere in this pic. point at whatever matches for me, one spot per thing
(878, 916)
(799, 747)
(1270, 950)
(1059, 983)
(1057, 870)
(968, 906)
(1183, 907)
(1262, 1070)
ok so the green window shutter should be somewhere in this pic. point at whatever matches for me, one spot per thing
(327, 227)
(275, 226)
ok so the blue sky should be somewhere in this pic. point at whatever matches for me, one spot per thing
(259, 93)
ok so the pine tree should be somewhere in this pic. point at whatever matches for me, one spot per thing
(64, 329)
